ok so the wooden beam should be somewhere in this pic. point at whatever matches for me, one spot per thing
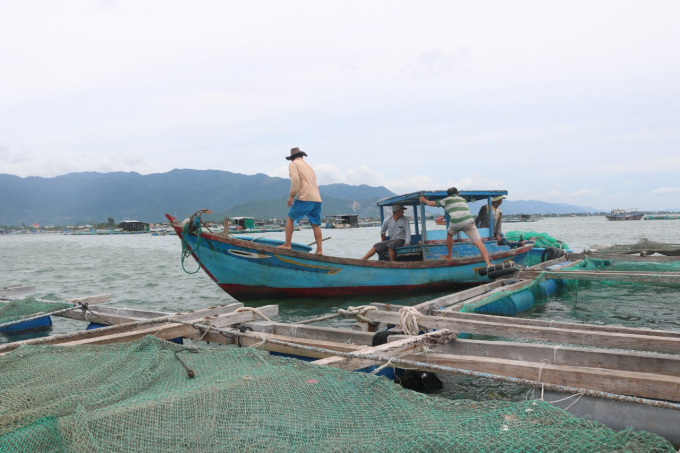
(635, 257)
(16, 290)
(641, 277)
(549, 334)
(644, 385)
(398, 348)
(173, 330)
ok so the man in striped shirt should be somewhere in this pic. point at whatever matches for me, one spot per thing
(460, 219)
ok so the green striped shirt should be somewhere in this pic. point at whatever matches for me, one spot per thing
(457, 209)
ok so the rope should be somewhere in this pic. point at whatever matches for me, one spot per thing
(254, 310)
(358, 313)
(351, 312)
(409, 320)
(190, 372)
(186, 232)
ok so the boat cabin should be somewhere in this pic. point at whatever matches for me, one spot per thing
(342, 221)
(133, 225)
(431, 245)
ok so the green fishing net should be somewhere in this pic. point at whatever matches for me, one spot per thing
(20, 309)
(542, 240)
(644, 301)
(138, 397)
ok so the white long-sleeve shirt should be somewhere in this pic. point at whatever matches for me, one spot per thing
(303, 181)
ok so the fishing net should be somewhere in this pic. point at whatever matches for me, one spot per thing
(645, 301)
(618, 265)
(20, 309)
(137, 397)
(541, 240)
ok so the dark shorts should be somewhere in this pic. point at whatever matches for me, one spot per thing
(388, 244)
(311, 209)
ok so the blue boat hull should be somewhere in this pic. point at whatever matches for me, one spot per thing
(249, 270)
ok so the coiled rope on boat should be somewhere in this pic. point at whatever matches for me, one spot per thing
(191, 226)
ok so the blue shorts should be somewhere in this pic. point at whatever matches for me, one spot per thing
(311, 209)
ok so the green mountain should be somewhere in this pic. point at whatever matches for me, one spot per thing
(93, 197)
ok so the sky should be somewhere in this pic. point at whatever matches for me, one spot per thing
(574, 102)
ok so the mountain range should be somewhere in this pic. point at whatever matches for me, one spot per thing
(92, 197)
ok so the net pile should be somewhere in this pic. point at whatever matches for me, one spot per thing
(541, 240)
(137, 397)
(16, 310)
(652, 301)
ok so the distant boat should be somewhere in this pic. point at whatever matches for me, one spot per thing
(440, 220)
(625, 214)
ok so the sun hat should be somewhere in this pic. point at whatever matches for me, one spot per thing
(498, 198)
(295, 152)
(397, 207)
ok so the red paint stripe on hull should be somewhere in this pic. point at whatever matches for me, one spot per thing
(245, 293)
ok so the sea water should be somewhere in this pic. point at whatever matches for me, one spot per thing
(144, 272)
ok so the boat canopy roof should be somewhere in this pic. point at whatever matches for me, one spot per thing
(433, 195)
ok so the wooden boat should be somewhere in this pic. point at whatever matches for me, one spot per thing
(440, 220)
(625, 214)
(254, 268)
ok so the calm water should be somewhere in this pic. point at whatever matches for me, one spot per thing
(144, 271)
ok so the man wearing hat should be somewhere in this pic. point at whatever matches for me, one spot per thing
(303, 199)
(399, 230)
(482, 220)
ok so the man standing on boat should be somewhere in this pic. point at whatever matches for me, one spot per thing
(399, 230)
(304, 198)
(460, 219)
(482, 220)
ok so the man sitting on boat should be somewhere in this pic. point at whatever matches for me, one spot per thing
(460, 219)
(304, 198)
(482, 220)
(399, 231)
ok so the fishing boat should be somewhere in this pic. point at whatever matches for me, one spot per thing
(440, 220)
(625, 214)
(253, 268)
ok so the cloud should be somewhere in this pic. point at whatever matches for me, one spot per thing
(664, 190)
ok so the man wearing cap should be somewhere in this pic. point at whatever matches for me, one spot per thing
(303, 199)
(482, 220)
(460, 219)
(399, 231)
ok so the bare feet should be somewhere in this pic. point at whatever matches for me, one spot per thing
(448, 258)
(319, 252)
(284, 246)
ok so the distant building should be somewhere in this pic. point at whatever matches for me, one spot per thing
(133, 225)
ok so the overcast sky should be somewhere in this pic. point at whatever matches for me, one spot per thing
(573, 101)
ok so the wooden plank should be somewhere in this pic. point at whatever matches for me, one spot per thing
(174, 330)
(549, 334)
(16, 290)
(644, 385)
(641, 277)
(611, 328)
(398, 348)
(451, 299)
(556, 354)
(113, 316)
(645, 362)
(636, 257)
